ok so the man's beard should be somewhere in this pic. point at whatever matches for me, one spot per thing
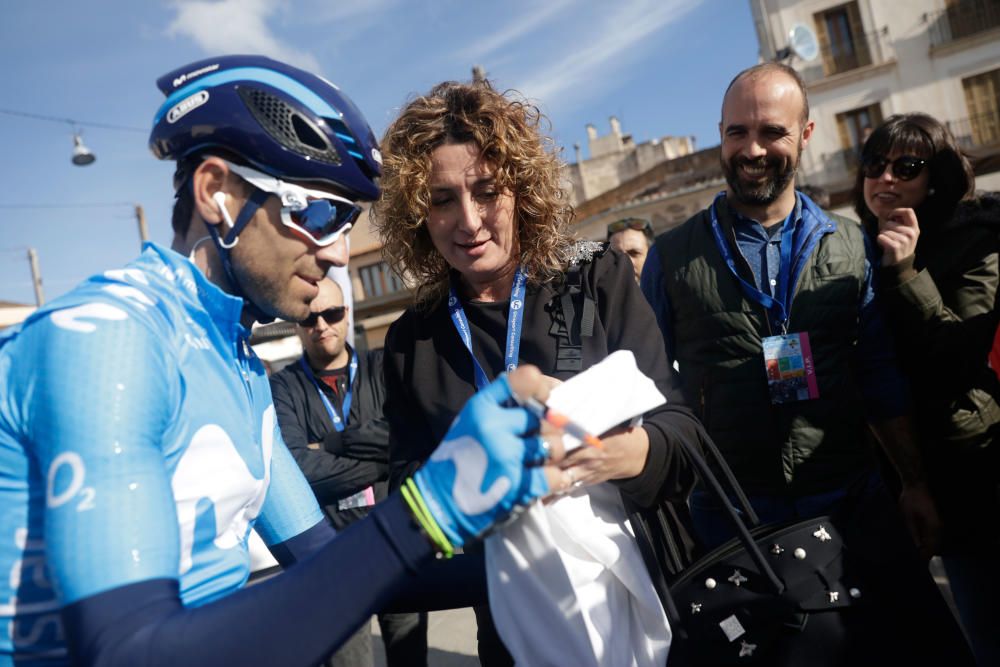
(760, 193)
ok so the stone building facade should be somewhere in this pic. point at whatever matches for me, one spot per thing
(615, 158)
(875, 58)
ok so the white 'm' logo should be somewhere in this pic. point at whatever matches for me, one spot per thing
(71, 318)
(471, 462)
(212, 468)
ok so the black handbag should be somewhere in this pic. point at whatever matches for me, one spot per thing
(796, 593)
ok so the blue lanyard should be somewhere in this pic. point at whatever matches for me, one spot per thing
(781, 304)
(514, 317)
(338, 423)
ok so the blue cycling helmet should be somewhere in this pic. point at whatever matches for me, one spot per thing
(281, 120)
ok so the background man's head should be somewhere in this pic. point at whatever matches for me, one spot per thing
(324, 333)
(765, 125)
(632, 236)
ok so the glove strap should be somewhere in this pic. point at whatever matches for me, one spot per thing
(415, 501)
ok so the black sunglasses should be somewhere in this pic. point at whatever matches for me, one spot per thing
(905, 168)
(330, 316)
(630, 223)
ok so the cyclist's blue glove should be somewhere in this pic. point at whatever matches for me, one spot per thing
(484, 470)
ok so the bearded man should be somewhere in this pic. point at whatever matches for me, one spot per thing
(766, 302)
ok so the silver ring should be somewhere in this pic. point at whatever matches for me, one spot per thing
(542, 456)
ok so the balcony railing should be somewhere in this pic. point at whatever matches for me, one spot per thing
(839, 57)
(976, 131)
(962, 19)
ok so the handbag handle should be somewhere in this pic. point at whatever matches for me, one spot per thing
(742, 532)
(727, 472)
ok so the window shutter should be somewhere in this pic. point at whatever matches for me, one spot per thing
(861, 49)
(824, 44)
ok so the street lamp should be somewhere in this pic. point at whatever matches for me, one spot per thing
(81, 154)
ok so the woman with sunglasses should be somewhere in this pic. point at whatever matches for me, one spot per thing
(473, 211)
(938, 285)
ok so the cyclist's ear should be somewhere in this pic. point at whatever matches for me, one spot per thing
(212, 185)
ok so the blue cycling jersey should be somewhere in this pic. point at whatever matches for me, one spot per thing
(137, 442)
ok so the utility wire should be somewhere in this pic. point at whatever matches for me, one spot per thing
(71, 121)
(90, 205)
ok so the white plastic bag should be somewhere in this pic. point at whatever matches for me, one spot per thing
(567, 583)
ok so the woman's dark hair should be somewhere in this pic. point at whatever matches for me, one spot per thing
(951, 178)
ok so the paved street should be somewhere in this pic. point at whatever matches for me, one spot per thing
(451, 640)
(452, 634)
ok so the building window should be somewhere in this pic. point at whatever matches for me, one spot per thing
(842, 39)
(968, 17)
(854, 126)
(982, 97)
(378, 280)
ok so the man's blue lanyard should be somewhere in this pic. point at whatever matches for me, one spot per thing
(779, 305)
(514, 316)
(345, 405)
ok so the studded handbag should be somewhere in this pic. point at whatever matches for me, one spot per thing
(797, 594)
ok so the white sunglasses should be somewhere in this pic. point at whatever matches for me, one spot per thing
(321, 217)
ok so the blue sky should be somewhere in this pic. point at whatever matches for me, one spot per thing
(660, 66)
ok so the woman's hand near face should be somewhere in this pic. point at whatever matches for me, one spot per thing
(897, 236)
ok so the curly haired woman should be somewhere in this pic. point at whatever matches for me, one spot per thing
(474, 213)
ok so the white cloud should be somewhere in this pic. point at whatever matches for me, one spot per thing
(359, 13)
(235, 26)
(525, 23)
(592, 61)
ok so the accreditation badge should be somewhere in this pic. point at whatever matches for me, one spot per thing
(791, 374)
(364, 498)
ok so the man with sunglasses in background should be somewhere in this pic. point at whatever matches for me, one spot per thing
(633, 237)
(138, 439)
(766, 302)
(329, 409)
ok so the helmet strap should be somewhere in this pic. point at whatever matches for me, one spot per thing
(256, 200)
(222, 247)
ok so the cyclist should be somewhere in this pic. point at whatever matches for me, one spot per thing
(138, 443)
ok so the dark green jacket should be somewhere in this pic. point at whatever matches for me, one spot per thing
(795, 448)
(943, 311)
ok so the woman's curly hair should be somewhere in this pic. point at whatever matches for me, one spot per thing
(506, 129)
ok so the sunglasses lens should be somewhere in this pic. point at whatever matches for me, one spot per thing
(622, 225)
(874, 167)
(334, 315)
(907, 168)
(330, 316)
(904, 168)
(324, 220)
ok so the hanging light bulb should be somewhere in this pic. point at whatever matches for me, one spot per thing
(81, 154)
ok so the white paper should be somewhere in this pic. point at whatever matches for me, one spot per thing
(605, 395)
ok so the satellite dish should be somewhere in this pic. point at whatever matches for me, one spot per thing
(802, 42)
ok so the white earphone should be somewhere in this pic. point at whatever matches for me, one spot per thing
(220, 199)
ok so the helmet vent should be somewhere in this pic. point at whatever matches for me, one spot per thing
(286, 126)
(306, 133)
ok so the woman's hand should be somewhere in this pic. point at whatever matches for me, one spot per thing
(897, 236)
(623, 456)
